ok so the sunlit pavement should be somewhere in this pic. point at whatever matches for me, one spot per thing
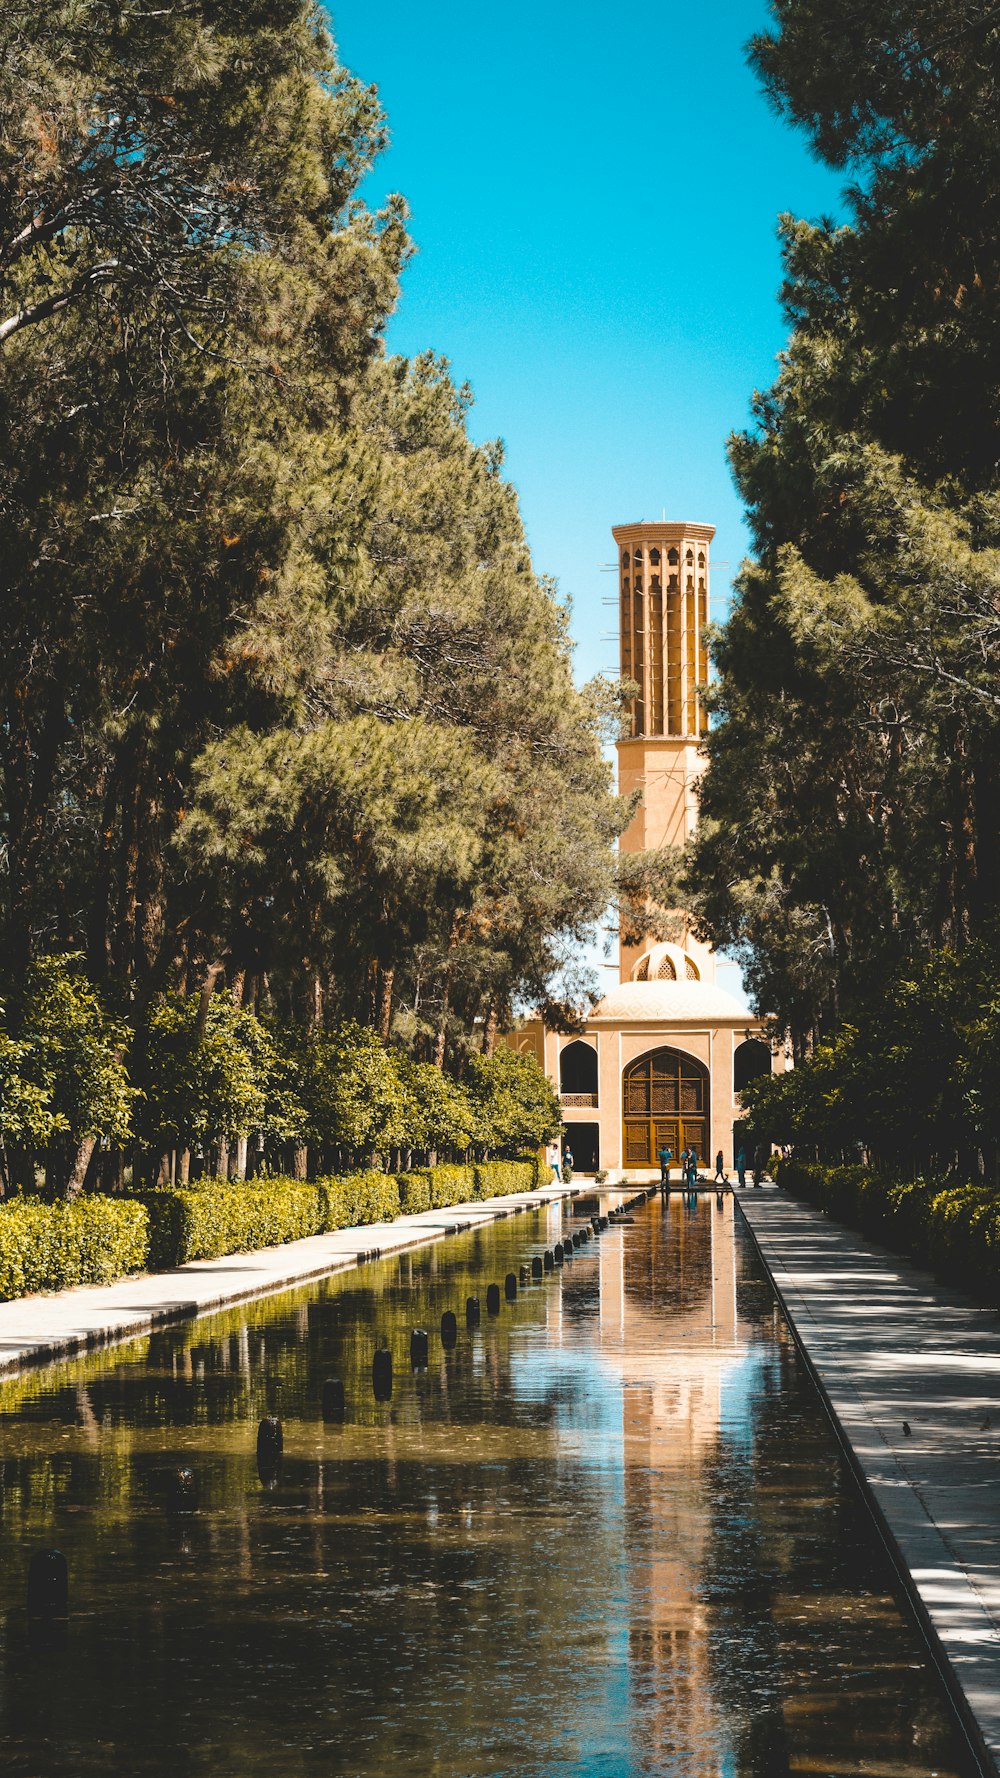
(36, 1328)
(911, 1373)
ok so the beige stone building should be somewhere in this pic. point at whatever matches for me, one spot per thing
(663, 1056)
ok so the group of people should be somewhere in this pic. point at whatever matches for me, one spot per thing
(688, 1163)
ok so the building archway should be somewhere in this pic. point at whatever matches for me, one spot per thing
(750, 1060)
(578, 1073)
(665, 1103)
(584, 1143)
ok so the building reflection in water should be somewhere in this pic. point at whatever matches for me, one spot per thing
(671, 1352)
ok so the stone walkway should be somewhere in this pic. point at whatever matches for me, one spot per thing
(36, 1328)
(911, 1374)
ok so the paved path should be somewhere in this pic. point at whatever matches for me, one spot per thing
(36, 1328)
(891, 1348)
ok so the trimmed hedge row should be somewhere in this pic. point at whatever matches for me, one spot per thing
(952, 1229)
(51, 1246)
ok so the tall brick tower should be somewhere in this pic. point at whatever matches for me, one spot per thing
(663, 574)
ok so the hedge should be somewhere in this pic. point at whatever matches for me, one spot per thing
(952, 1229)
(215, 1218)
(431, 1188)
(358, 1198)
(497, 1179)
(51, 1246)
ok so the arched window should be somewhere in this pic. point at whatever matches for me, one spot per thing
(750, 1061)
(665, 1104)
(578, 1073)
(689, 558)
(654, 557)
(638, 556)
(625, 558)
(701, 558)
(672, 557)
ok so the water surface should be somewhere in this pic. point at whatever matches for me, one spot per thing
(609, 1535)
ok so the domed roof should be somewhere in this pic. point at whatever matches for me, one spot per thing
(640, 1002)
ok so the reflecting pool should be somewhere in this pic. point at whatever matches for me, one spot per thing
(608, 1534)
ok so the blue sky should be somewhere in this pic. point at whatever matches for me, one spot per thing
(594, 196)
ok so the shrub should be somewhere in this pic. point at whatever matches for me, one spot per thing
(414, 1191)
(497, 1179)
(51, 1246)
(358, 1198)
(216, 1217)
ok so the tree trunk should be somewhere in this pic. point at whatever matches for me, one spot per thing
(300, 1163)
(386, 978)
(238, 1168)
(78, 1170)
(490, 1030)
(212, 974)
(184, 1167)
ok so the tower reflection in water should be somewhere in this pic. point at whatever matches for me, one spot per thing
(761, 1634)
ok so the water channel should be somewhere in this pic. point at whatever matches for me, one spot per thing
(608, 1535)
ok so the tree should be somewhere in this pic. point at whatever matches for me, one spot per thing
(168, 425)
(515, 1102)
(205, 1079)
(69, 1085)
(852, 802)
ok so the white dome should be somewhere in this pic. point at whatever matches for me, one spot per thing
(639, 1003)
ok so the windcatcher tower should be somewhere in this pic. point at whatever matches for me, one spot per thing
(663, 574)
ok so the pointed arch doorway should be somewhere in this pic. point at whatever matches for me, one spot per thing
(664, 1103)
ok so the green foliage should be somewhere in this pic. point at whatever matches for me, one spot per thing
(357, 1199)
(203, 1086)
(414, 1191)
(26, 1115)
(66, 1070)
(849, 851)
(53, 1246)
(498, 1179)
(216, 1218)
(289, 736)
(96, 1239)
(516, 1104)
(443, 1185)
(440, 1113)
(913, 1080)
(353, 1092)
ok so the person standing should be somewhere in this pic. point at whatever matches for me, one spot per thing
(665, 1157)
(555, 1163)
(741, 1168)
(568, 1161)
(720, 1171)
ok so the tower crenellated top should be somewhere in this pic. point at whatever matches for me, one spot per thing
(663, 585)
